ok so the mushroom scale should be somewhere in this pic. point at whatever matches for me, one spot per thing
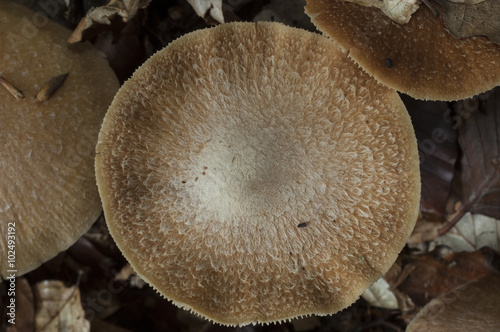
(420, 58)
(254, 173)
(48, 194)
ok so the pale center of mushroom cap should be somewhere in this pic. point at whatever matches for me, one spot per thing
(253, 169)
(248, 164)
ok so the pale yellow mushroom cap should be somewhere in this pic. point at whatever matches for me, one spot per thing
(47, 179)
(419, 58)
(254, 173)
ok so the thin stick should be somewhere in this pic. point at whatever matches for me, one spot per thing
(18, 94)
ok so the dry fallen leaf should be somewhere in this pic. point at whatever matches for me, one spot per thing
(399, 11)
(210, 10)
(105, 15)
(428, 276)
(438, 151)
(479, 139)
(474, 306)
(471, 233)
(59, 308)
(465, 18)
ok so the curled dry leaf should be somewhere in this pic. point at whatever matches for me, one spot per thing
(399, 11)
(210, 10)
(59, 308)
(465, 18)
(104, 15)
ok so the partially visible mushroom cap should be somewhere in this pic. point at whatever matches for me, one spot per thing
(47, 181)
(254, 173)
(420, 58)
(474, 306)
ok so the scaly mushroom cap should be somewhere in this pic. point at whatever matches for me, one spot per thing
(47, 179)
(253, 173)
(420, 58)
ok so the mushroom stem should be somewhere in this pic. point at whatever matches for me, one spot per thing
(18, 94)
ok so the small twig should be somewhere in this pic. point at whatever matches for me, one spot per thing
(51, 87)
(467, 206)
(18, 94)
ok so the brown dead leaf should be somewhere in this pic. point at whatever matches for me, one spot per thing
(474, 306)
(438, 151)
(106, 15)
(210, 10)
(59, 308)
(465, 18)
(479, 139)
(428, 276)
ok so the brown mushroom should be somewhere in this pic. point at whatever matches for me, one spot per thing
(474, 306)
(420, 58)
(253, 173)
(48, 195)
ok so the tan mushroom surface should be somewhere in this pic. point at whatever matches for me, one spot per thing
(48, 195)
(420, 58)
(474, 306)
(254, 173)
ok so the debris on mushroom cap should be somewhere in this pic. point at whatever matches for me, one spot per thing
(427, 62)
(224, 143)
(474, 306)
(398, 10)
(48, 195)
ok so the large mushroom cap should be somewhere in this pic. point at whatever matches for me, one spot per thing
(253, 173)
(420, 58)
(47, 178)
